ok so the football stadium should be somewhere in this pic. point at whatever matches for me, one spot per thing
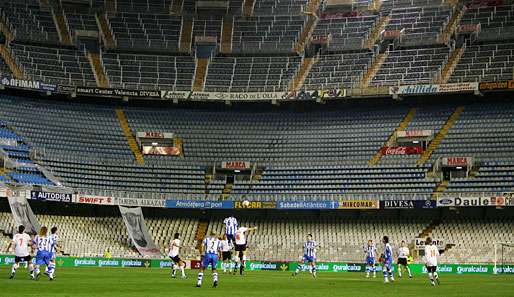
(256, 148)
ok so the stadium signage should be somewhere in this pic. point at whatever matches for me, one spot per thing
(359, 204)
(108, 263)
(202, 204)
(401, 150)
(256, 205)
(142, 202)
(419, 243)
(241, 165)
(118, 93)
(407, 204)
(509, 198)
(413, 133)
(50, 196)
(93, 199)
(498, 85)
(307, 204)
(470, 201)
(456, 161)
(170, 95)
(27, 84)
(433, 88)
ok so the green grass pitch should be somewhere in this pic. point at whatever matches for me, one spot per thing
(140, 282)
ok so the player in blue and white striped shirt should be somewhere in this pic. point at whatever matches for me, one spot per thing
(309, 256)
(43, 244)
(371, 254)
(55, 246)
(231, 227)
(388, 260)
(211, 247)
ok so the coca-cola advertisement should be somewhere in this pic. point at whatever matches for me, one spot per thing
(401, 150)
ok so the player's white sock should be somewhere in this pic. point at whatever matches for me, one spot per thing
(436, 275)
(314, 271)
(182, 271)
(399, 272)
(408, 270)
(385, 275)
(36, 270)
(214, 277)
(200, 278)
(31, 268)
(431, 277)
(50, 269)
(391, 275)
(14, 267)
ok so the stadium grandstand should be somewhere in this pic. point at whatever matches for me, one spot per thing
(348, 120)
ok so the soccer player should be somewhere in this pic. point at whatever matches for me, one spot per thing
(55, 247)
(403, 254)
(388, 261)
(43, 244)
(230, 228)
(371, 254)
(309, 256)
(174, 255)
(241, 246)
(226, 253)
(210, 249)
(431, 255)
(21, 242)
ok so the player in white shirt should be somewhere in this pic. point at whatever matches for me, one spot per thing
(431, 255)
(21, 242)
(403, 254)
(209, 250)
(174, 255)
(241, 246)
(226, 254)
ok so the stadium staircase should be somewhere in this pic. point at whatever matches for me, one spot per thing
(227, 189)
(302, 73)
(179, 143)
(374, 36)
(11, 62)
(375, 5)
(401, 127)
(257, 176)
(176, 7)
(248, 6)
(447, 69)
(375, 66)
(101, 78)
(226, 35)
(309, 27)
(130, 136)
(61, 23)
(428, 230)
(5, 30)
(3, 174)
(105, 30)
(440, 188)
(186, 35)
(452, 25)
(440, 135)
(110, 5)
(201, 232)
(207, 180)
(202, 65)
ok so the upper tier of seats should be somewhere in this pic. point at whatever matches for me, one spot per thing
(319, 153)
(263, 53)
